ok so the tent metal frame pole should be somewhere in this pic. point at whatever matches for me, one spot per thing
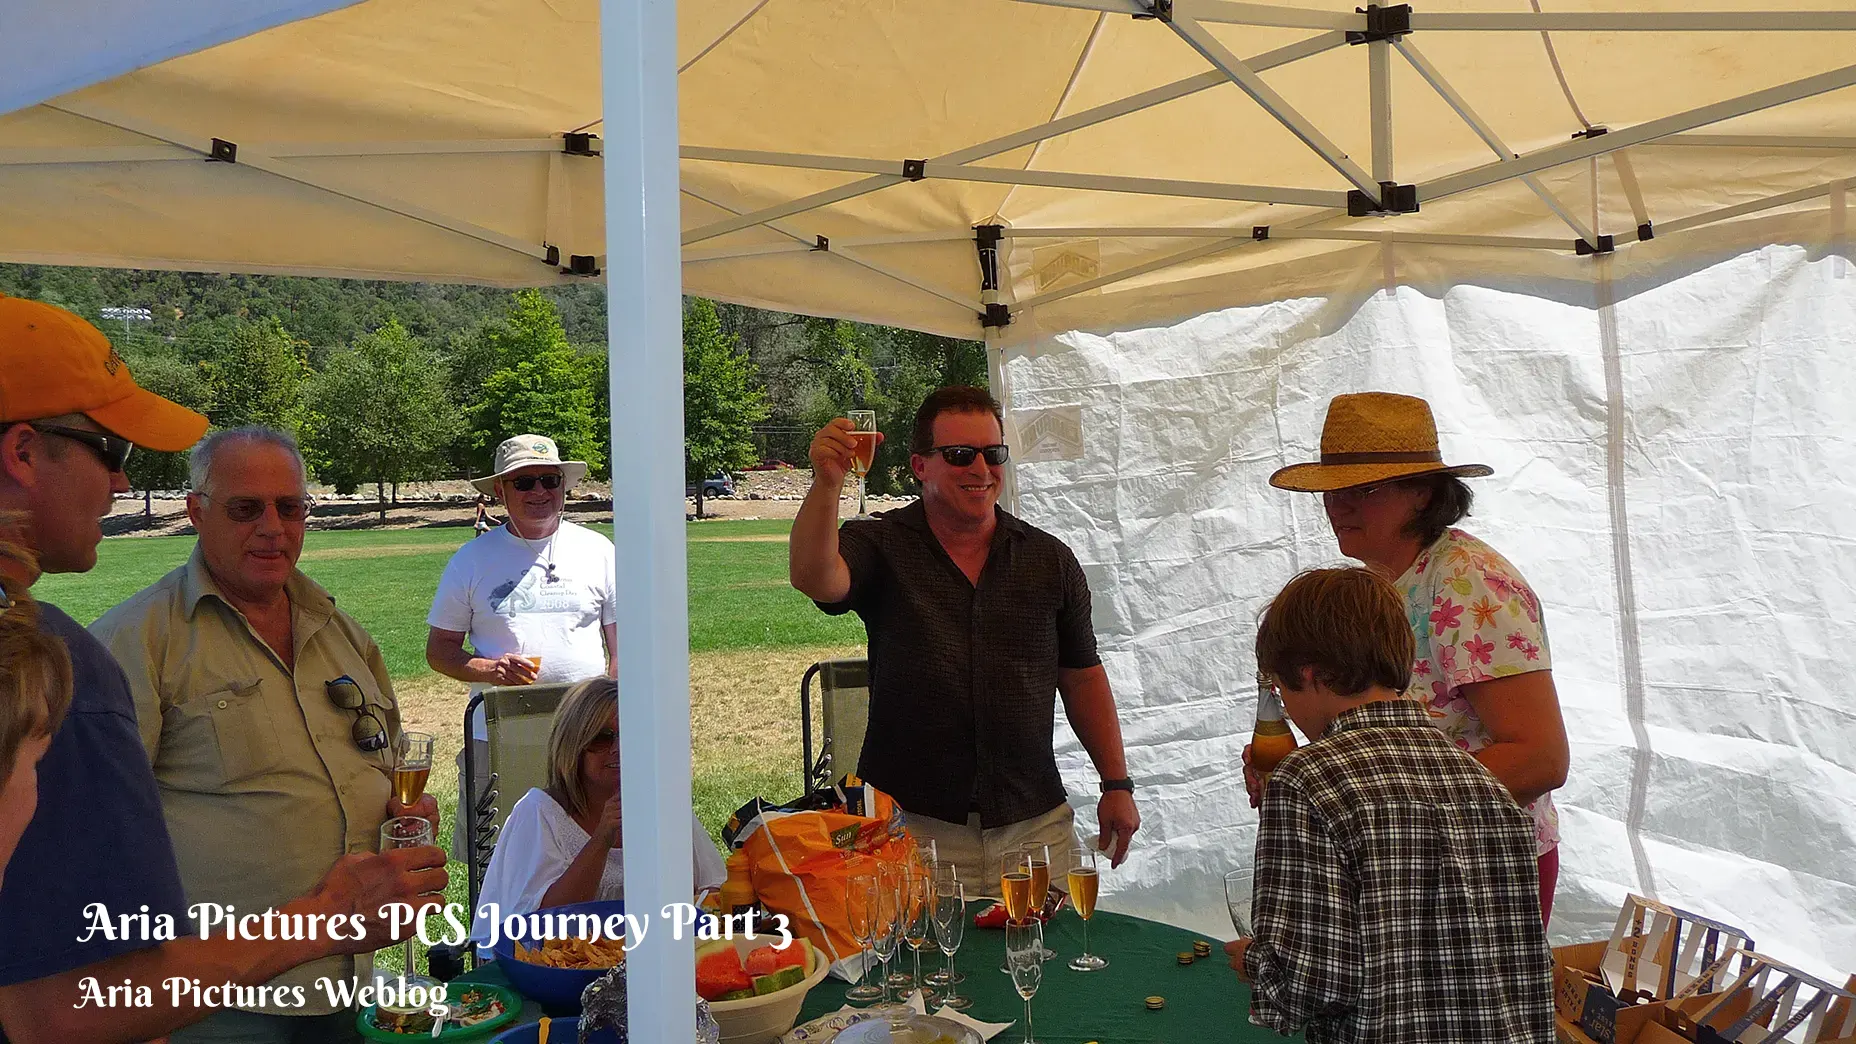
(1430, 74)
(638, 47)
(1379, 101)
(253, 157)
(929, 170)
(1201, 40)
(1430, 238)
(1636, 21)
(847, 256)
(1633, 192)
(1751, 207)
(1030, 136)
(1585, 148)
(279, 150)
(1757, 141)
(836, 245)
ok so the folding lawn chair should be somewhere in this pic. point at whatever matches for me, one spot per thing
(844, 703)
(517, 719)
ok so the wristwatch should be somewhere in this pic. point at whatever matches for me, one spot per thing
(1117, 784)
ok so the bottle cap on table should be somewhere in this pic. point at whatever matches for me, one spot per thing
(1186, 958)
(1156, 1003)
(1202, 948)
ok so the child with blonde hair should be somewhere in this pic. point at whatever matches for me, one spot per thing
(35, 690)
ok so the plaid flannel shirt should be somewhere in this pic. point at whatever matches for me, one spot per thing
(1397, 896)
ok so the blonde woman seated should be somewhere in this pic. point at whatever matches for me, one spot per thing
(561, 845)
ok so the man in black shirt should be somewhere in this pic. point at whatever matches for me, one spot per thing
(977, 621)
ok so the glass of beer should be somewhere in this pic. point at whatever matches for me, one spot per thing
(863, 453)
(1015, 886)
(412, 766)
(1237, 889)
(409, 832)
(1036, 859)
(1083, 883)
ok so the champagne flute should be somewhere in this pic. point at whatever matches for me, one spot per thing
(944, 875)
(408, 832)
(1015, 885)
(1237, 890)
(891, 893)
(950, 927)
(919, 927)
(1036, 860)
(1024, 950)
(860, 908)
(412, 766)
(1083, 881)
(863, 454)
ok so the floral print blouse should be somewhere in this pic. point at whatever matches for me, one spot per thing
(1475, 619)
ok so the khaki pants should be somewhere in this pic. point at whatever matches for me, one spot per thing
(978, 853)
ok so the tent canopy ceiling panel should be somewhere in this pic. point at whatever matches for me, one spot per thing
(1140, 157)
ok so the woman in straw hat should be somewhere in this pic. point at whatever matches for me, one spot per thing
(1482, 663)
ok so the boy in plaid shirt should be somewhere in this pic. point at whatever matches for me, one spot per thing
(1397, 896)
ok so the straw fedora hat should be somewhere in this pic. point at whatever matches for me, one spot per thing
(527, 451)
(1372, 437)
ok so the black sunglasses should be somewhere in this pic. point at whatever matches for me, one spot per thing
(113, 450)
(527, 482)
(602, 741)
(250, 509)
(961, 456)
(369, 733)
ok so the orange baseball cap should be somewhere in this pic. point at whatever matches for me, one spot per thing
(53, 363)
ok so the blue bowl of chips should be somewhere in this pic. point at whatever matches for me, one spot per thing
(553, 973)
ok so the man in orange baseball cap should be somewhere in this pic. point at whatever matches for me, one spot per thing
(69, 415)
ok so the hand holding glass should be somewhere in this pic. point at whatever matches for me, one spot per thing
(408, 832)
(863, 452)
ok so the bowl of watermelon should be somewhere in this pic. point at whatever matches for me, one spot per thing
(755, 990)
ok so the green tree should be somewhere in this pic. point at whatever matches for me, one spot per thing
(182, 382)
(382, 412)
(723, 399)
(259, 376)
(541, 385)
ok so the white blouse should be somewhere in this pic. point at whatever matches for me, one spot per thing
(537, 844)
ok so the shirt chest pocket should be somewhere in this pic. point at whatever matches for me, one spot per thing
(223, 737)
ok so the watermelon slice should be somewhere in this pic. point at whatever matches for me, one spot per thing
(719, 973)
(789, 976)
(768, 959)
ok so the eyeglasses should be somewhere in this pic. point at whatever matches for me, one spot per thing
(527, 482)
(370, 733)
(1355, 495)
(602, 742)
(250, 509)
(112, 450)
(961, 456)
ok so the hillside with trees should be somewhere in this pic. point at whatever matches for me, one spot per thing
(389, 383)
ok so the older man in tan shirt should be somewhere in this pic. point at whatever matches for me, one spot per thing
(265, 778)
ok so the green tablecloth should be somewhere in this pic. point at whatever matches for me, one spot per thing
(1205, 1004)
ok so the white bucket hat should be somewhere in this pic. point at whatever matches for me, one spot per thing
(527, 451)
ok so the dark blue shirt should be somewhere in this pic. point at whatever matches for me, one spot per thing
(98, 835)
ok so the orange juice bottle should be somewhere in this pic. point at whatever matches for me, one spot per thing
(1271, 740)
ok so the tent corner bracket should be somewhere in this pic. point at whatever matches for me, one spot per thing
(915, 169)
(1646, 231)
(1260, 233)
(1393, 199)
(822, 244)
(223, 152)
(1161, 10)
(996, 316)
(1382, 24)
(574, 143)
(1606, 245)
(551, 255)
(581, 265)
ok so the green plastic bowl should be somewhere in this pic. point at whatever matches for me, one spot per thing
(512, 1006)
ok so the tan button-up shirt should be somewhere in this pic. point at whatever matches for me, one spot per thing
(261, 782)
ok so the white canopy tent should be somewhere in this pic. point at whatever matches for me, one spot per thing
(1018, 170)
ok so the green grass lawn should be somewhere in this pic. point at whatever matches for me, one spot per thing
(739, 597)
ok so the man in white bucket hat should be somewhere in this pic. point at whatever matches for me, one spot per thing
(535, 597)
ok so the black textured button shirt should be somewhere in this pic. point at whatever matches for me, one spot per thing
(963, 679)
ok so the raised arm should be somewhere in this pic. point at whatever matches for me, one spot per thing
(813, 563)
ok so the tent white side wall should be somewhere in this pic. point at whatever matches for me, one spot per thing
(1672, 475)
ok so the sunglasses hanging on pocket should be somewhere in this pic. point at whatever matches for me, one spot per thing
(369, 731)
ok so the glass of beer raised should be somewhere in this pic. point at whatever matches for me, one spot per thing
(863, 454)
(1083, 883)
(412, 766)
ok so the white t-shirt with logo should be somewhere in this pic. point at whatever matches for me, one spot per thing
(499, 591)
